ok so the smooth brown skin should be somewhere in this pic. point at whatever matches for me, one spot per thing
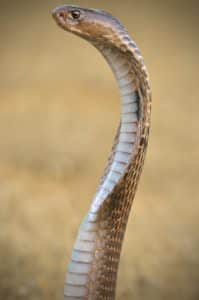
(101, 29)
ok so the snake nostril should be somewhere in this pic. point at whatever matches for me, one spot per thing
(61, 15)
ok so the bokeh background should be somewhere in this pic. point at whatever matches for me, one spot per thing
(58, 112)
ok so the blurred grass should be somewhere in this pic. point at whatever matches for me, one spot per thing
(58, 115)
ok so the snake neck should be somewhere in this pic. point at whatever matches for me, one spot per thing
(128, 134)
(92, 272)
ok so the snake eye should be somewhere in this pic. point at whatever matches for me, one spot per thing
(75, 14)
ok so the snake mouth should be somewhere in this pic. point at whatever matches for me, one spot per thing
(59, 14)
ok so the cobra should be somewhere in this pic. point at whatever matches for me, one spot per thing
(93, 268)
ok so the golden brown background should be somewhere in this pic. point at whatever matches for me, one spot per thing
(58, 113)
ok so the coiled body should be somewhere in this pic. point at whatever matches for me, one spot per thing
(92, 272)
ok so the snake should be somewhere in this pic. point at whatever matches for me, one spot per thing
(93, 268)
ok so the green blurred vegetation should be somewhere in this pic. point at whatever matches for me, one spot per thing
(58, 114)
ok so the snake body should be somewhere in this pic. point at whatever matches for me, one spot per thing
(92, 272)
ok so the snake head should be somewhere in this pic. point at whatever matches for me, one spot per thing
(91, 24)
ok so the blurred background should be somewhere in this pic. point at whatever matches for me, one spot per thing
(58, 113)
